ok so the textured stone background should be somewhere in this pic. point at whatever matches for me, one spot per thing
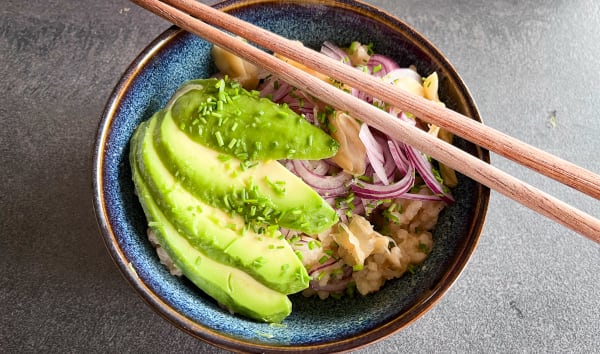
(531, 286)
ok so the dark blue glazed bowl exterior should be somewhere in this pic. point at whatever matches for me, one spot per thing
(315, 325)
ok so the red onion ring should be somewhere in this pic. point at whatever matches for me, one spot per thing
(390, 191)
(424, 168)
(374, 152)
(387, 65)
(324, 185)
(333, 51)
(328, 263)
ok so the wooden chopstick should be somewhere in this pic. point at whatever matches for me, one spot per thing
(453, 157)
(538, 160)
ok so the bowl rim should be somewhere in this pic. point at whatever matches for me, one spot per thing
(199, 331)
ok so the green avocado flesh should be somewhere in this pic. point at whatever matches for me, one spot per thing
(264, 191)
(216, 208)
(226, 118)
(268, 256)
(231, 287)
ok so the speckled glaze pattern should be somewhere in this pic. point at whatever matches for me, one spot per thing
(315, 325)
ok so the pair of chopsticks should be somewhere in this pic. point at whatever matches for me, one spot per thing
(199, 19)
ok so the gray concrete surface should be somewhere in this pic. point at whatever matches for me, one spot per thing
(531, 287)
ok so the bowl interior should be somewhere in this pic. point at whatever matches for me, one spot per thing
(315, 325)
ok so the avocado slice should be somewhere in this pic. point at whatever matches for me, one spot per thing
(223, 116)
(265, 191)
(229, 286)
(268, 257)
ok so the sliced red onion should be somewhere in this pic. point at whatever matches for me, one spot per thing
(333, 51)
(423, 197)
(398, 156)
(310, 117)
(285, 232)
(361, 95)
(330, 200)
(334, 287)
(276, 88)
(374, 152)
(324, 185)
(423, 166)
(394, 190)
(407, 119)
(342, 215)
(299, 99)
(318, 167)
(389, 165)
(328, 263)
(359, 207)
(383, 63)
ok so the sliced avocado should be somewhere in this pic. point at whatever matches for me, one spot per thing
(223, 116)
(231, 287)
(265, 191)
(268, 257)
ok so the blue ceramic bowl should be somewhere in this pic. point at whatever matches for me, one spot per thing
(315, 325)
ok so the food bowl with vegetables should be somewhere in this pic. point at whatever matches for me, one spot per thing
(256, 217)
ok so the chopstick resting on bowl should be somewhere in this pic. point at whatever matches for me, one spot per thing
(188, 14)
(472, 130)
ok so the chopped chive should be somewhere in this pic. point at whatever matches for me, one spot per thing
(219, 139)
(226, 201)
(366, 178)
(259, 262)
(232, 143)
(350, 198)
(223, 157)
(336, 272)
(357, 267)
(411, 269)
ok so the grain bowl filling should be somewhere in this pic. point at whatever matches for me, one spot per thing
(380, 197)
